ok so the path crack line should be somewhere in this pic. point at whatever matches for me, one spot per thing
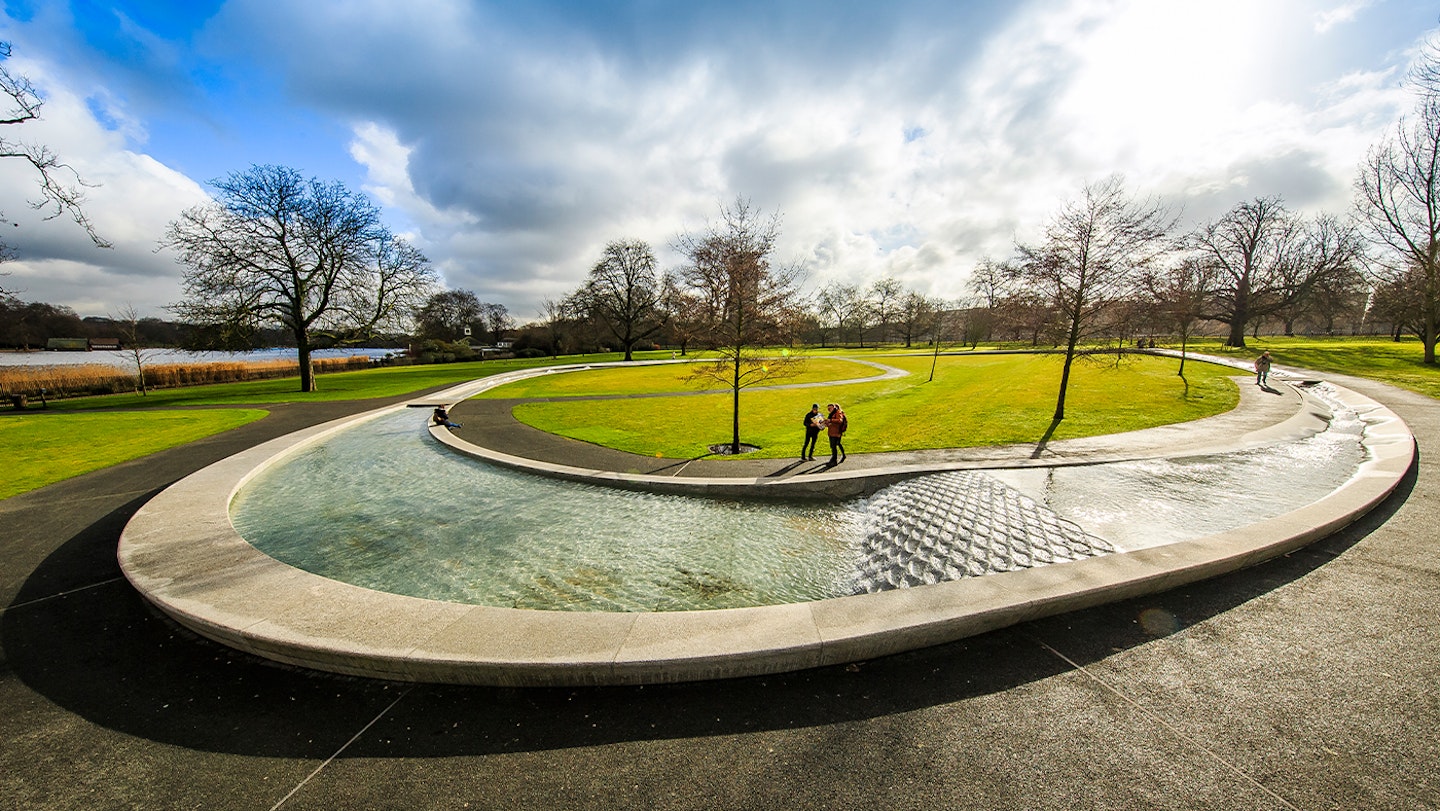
(61, 594)
(1174, 730)
(341, 750)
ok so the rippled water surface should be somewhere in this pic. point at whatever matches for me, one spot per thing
(382, 505)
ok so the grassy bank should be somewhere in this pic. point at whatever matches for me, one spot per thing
(75, 436)
(42, 448)
(974, 401)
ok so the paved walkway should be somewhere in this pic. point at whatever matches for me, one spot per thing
(1261, 416)
(1307, 682)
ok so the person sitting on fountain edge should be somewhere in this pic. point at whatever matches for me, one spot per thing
(442, 417)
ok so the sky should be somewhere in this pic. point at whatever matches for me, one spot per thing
(511, 141)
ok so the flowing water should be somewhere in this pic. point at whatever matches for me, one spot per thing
(382, 505)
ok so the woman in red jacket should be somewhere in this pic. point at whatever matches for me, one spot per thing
(835, 425)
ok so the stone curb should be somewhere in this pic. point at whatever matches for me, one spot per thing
(181, 552)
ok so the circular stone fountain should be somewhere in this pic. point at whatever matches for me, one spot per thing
(915, 575)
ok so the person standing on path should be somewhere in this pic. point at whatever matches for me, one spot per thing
(1262, 369)
(812, 422)
(835, 425)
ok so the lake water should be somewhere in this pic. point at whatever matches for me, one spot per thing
(126, 360)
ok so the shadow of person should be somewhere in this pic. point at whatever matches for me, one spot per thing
(786, 469)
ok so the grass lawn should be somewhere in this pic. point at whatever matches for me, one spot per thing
(975, 400)
(660, 379)
(1398, 363)
(76, 436)
(44, 448)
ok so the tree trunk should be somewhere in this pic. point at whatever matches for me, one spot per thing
(1240, 314)
(307, 369)
(1064, 384)
(1071, 340)
(735, 410)
(1237, 333)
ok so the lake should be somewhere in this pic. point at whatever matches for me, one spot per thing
(126, 360)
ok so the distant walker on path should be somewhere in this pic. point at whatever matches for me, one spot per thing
(1262, 369)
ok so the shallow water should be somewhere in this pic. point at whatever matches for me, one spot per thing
(382, 505)
(1148, 503)
(481, 534)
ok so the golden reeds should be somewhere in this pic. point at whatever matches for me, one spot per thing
(73, 380)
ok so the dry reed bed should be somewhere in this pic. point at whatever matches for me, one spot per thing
(73, 380)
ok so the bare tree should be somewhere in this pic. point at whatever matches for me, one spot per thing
(496, 320)
(312, 257)
(61, 187)
(1424, 75)
(1091, 254)
(1177, 295)
(447, 315)
(684, 311)
(917, 315)
(831, 306)
(856, 311)
(1398, 206)
(393, 287)
(885, 297)
(747, 302)
(1251, 249)
(623, 293)
(553, 318)
(1325, 261)
(133, 340)
(1391, 300)
(987, 286)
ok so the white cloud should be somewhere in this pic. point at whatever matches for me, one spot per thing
(1343, 13)
(512, 143)
(132, 198)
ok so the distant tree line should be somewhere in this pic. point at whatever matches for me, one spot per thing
(30, 325)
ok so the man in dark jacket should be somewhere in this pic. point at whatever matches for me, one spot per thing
(812, 423)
